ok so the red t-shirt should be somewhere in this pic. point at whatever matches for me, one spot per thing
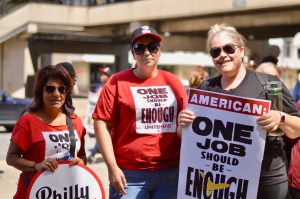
(294, 169)
(39, 140)
(143, 114)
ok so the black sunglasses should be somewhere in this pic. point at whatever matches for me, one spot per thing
(139, 49)
(227, 48)
(51, 89)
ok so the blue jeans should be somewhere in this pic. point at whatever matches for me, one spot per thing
(159, 184)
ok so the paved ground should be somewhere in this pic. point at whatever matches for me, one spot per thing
(8, 179)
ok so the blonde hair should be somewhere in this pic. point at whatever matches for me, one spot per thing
(231, 31)
(268, 68)
(196, 76)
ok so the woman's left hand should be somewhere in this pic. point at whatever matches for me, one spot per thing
(269, 121)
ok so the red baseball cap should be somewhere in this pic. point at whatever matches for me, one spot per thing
(105, 70)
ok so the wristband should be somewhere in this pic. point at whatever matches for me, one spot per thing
(33, 167)
(282, 118)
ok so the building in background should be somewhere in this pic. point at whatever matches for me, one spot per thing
(34, 32)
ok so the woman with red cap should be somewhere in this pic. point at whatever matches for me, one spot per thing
(135, 124)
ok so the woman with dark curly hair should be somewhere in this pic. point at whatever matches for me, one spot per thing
(41, 137)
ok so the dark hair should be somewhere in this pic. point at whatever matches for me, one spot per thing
(41, 78)
(270, 58)
(69, 67)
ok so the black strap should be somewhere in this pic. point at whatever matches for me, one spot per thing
(263, 79)
(26, 179)
(72, 136)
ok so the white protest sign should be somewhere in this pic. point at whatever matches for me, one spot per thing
(66, 181)
(222, 150)
(156, 109)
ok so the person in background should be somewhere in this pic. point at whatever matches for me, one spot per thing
(105, 74)
(227, 49)
(196, 76)
(69, 67)
(31, 148)
(141, 151)
(296, 91)
(268, 68)
(270, 58)
(294, 169)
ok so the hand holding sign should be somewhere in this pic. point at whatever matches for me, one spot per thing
(67, 181)
(219, 144)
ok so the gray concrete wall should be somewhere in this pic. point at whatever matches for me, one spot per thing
(13, 69)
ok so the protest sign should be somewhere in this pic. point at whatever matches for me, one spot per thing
(157, 105)
(222, 149)
(66, 182)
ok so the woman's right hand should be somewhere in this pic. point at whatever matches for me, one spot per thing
(48, 164)
(118, 180)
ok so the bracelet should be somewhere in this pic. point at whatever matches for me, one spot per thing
(282, 117)
(33, 167)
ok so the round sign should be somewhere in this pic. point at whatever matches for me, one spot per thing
(77, 181)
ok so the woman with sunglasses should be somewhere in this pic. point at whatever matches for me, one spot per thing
(135, 122)
(41, 136)
(227, 49)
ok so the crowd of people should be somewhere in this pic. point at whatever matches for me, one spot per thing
(139, 142)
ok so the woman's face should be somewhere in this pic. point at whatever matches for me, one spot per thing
(147, 61)
(230, 58)
(54, 94)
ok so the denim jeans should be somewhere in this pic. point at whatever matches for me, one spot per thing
(158, 184)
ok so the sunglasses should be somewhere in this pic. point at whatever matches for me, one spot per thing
(139, 49)
(227, 48)
(52, 89)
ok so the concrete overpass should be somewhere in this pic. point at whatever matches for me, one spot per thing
(105, 29)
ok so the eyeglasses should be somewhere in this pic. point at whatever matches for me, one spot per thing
(52, 89)
(227, 48)
(139, 49)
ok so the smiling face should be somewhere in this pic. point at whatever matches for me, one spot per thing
(228, 64)
(54, 101)
(147, 62)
